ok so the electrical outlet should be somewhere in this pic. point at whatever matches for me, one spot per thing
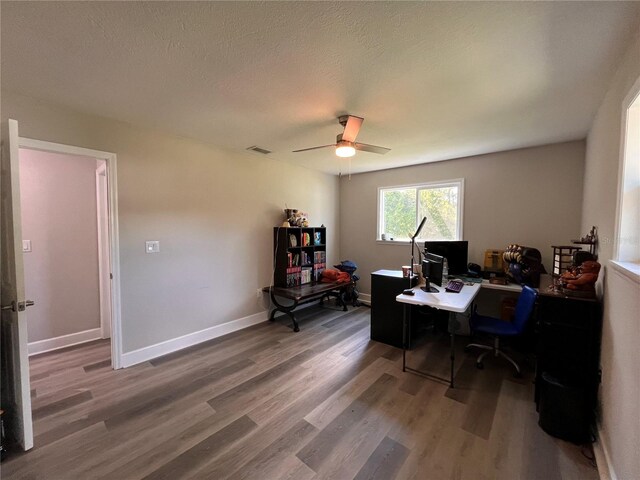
(259, 293)
(152, 246)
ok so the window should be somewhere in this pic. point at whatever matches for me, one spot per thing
(628, 243)
(401, 209)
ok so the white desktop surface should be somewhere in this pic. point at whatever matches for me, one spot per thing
(449, 301)
(509, 287)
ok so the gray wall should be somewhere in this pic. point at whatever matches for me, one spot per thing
(530, 196)
(58, 198)
(212, 210)
(620, 356)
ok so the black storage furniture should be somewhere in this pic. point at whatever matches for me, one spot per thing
(567, 372)
(300, 255)
(386, 313)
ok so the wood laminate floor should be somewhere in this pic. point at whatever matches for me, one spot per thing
(267, 403)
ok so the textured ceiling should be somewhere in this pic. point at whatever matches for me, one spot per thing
(433, 80)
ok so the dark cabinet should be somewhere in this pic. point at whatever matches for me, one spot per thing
(568, 359)
(386, 313)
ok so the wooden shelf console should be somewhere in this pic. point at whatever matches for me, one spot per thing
(304, 294)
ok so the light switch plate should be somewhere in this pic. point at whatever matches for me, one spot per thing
(26, 245)
(152, 246)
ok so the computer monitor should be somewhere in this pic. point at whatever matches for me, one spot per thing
(432, 268)
(456, 253)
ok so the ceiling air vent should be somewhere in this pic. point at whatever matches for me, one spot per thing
(256, 149)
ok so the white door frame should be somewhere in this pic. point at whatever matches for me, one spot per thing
(114, 248)
(104, 269)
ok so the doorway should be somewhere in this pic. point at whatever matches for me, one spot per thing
(69, 208)
(60, 243)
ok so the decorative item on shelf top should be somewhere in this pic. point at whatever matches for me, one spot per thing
(590, 239)
(524, 265)
(580, 281)
(296, 218)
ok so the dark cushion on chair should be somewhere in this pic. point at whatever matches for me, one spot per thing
(492, 326)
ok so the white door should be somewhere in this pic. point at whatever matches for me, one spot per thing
(16, 391)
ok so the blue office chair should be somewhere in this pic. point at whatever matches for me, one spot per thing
(499, 328)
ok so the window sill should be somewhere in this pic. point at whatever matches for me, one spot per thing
(629, 270)
(394, 242)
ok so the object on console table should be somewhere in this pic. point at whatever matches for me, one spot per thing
(347, 266)
(563, 258)
(580, 281)
(335, 276)
(524, 265)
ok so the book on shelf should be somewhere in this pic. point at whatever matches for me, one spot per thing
(319, 257)
(293, 276)
(305, 275)
(306, 258)
(306, 239)
(317, 238)
(318, 268)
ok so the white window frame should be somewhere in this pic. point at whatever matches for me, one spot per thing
(456, 182)
(627, 266)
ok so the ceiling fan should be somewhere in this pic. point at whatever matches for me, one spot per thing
(346, 144)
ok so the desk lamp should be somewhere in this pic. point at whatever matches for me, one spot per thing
(413, 244)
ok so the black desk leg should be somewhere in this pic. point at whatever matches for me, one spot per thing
(406, 342)
(288, 309)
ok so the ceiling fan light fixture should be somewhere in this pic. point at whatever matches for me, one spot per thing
(345, 149)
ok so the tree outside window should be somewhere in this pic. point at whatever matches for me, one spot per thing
(402, 208)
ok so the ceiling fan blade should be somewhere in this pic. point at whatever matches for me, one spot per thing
(314, 148)
(352, 128)
(371, 148)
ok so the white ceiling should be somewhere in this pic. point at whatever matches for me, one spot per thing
(433, 80)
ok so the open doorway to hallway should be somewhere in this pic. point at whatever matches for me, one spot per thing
(63, 220)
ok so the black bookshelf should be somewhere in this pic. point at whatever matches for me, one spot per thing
(300, 255)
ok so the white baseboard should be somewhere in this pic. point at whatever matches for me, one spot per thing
(603, 459)
(169, 346)
(49, 344)
(365, 298)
